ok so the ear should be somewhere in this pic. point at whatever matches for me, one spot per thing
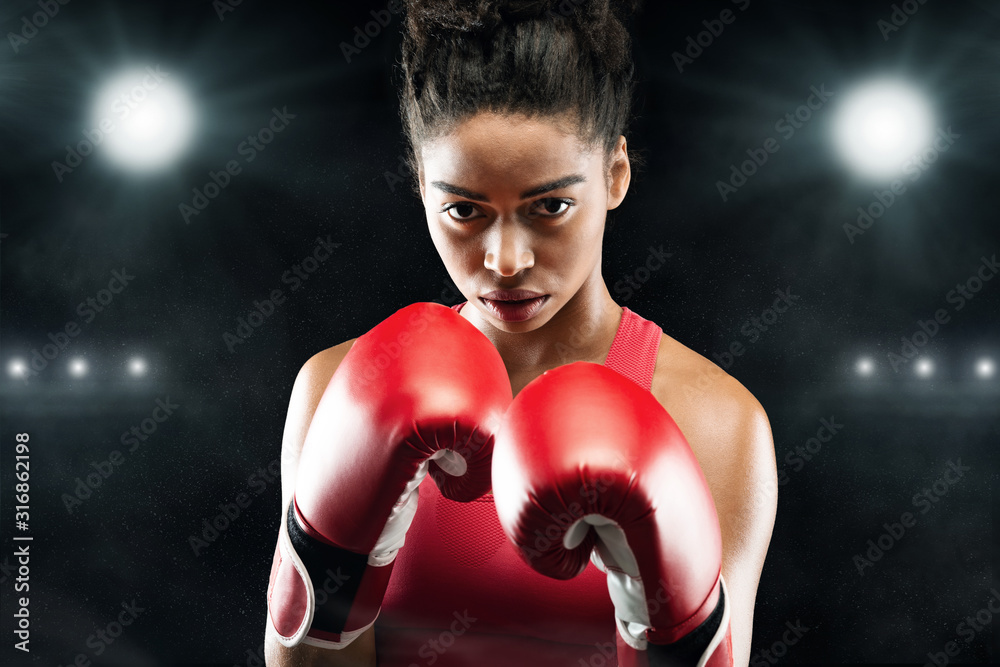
(619, 174)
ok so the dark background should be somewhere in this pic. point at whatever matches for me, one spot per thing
(326, 174)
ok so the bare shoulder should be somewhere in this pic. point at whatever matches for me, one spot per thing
(699, 392)
(724, 423)
(310, 383)
(320, 367)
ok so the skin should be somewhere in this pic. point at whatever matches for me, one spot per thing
(490, 237)
(508, 242)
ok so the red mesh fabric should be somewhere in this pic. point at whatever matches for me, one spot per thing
(633, 352)
(457, 565)
(481, 513)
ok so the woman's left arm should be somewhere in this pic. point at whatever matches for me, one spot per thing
(746, 506)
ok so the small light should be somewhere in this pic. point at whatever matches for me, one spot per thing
(78, 367)
(985, 368)
(865, 366)
(17, 368)
(924, 367)
(137, 366)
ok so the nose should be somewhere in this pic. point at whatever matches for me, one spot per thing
(508, 250)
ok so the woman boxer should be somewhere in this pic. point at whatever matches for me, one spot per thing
(515, 113)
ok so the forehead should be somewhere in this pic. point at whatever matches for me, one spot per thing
(491, 148)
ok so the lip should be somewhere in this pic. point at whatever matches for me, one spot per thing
(511, 295)
(515, 311)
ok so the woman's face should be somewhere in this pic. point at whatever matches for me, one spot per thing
(518, 203)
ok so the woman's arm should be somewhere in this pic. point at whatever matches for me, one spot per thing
(737, 457)
(746, 517)
(306, 393)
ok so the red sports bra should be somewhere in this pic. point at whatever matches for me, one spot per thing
(460, 594)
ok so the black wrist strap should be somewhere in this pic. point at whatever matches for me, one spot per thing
(336, 576)
(688, 649)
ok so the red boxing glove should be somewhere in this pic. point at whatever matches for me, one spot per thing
(588, 465)
(421, 392)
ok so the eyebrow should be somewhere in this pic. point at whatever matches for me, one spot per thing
(563, 182)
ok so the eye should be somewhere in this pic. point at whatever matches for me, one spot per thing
(460, 211)
(551, 206)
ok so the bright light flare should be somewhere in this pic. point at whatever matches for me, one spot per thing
(137, 366)
(17, 368)
(78, 367)
(881, 125)
(145, 118)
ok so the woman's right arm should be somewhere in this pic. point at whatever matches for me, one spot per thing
(306, 393)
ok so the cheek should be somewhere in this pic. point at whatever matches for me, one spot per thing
(441, 240)
(455, 253)
(578, 245)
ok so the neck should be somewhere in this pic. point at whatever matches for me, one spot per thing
(582, 330)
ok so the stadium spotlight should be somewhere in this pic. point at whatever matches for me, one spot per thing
(144, 117)
(881, 125)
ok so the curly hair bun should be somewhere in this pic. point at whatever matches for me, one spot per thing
(535, 57)
(485, 14)
(598, 21)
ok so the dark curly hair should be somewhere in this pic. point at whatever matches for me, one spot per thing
(534, 57)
